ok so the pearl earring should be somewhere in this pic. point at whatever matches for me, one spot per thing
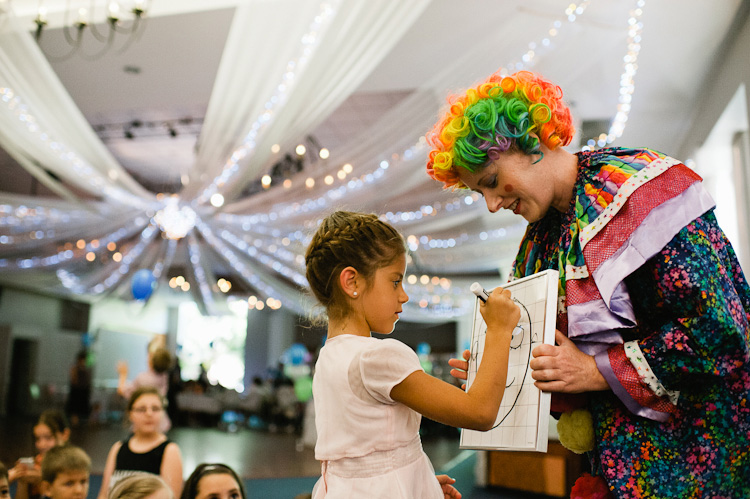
(355, 293)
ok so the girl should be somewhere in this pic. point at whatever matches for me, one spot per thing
(4, 483)
(146, 449)
(159, 363)
(50, 430)
(141, 486)
(213, 481)
(370, 394)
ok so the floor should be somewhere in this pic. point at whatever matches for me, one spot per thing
(267, 461)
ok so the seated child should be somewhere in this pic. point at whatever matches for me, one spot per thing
(141, 486)
(50, 430)
(4, 483)
(213, 481)
(65, 473)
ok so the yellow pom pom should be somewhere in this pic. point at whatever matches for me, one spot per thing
(576, 431)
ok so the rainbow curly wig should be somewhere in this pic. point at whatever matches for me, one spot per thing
(496, 116)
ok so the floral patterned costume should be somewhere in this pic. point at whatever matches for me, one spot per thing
(651, 287)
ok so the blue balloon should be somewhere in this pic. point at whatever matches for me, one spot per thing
(424, 348)
(295, 355)
(143, 284)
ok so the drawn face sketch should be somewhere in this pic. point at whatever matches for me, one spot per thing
(522, 342)
(520, 422)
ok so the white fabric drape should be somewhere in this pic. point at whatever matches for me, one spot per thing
(41, 125)
(334, 46)
(331, 62)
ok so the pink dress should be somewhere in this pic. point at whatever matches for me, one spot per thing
(368, 444)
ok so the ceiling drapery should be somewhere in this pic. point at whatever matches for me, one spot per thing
(280, 76)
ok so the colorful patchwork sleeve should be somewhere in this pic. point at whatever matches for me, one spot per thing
(692, 301)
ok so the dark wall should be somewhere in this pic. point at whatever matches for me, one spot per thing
(440, 337)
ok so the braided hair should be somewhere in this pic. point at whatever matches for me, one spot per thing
(348, 239)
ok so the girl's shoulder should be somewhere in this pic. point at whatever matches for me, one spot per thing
(365, 342)
(350, 346)
(390, 348)
(171, 448)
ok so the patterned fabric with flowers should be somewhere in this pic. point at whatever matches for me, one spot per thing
(686, 307)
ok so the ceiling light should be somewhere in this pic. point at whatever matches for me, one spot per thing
(86, 22)
(175, 221)
(217, 200)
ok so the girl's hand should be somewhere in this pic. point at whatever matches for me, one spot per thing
(122, 369)
(28, 474)
(460, 367)
(564, 368)
(16, 472)
(499, 311)
(446, 483)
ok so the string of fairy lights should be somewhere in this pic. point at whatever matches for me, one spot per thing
(16, 107)
(265, 246)
(309, 41)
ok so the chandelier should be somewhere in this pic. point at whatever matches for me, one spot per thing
(98, 22)
(174, 219)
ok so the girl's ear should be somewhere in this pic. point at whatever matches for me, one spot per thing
(64, 435)
(348, 281)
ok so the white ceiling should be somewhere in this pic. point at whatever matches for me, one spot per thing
(181, 43)
(168, 74)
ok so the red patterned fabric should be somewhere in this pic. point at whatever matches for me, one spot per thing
(628, 377)
(581, 291)
(669, 184)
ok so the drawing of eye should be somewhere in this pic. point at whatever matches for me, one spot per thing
(518, 336)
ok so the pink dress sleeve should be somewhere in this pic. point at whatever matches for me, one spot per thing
(385, 366)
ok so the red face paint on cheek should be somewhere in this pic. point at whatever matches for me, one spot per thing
(508, 187)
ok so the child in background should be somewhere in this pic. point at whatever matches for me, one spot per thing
(159, 363)
(141, 486)
(370, 394)
(213, 481)
(148, 449)
(65, 473)
(50, 430)
(4, 482)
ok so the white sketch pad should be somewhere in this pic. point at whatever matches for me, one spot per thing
(523, 419)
